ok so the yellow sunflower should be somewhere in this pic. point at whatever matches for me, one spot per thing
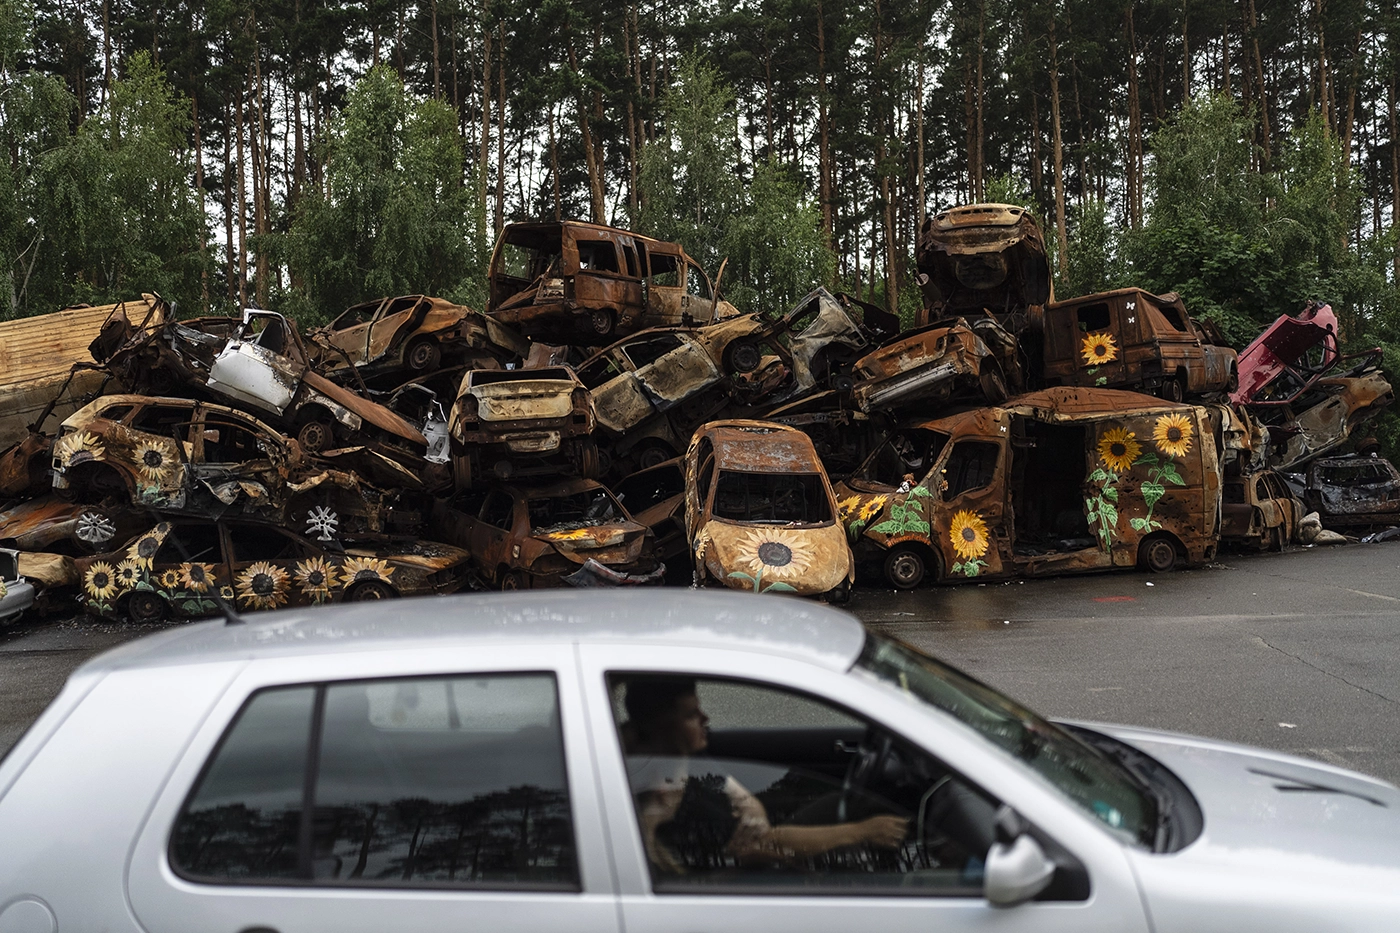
(128, 573)
(143, 550)
(197, 576)
(317, 578)
(170, 579)
(79, 447)
(776, 553)
(262, 585)
(226, 593)
(1172, 435)
(873, 507)
(365, 568)
(847, 508)
(156, 459)
(1119, 449)
(1099, 349)
(100, 581)
(968, 534)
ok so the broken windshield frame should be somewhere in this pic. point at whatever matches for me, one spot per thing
(771, 498)
(577, 510)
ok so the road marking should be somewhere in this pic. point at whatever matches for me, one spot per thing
(1115, 599)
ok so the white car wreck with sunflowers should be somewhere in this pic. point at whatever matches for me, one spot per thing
(1061, 481)
(760, 513)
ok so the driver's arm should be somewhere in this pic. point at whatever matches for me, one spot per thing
(755, 836)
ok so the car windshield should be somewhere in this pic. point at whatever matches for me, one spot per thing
(1090, 779)
(578, 510)
(772, 498)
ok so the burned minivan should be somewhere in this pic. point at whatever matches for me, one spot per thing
(576, 282)
(1059, 481)
(1133, 339)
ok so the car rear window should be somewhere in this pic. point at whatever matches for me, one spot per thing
(407, 782)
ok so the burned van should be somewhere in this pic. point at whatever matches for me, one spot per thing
(1058, 481)
(1133, 339)
(583, 283)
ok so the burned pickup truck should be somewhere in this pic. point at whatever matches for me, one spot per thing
(1133, 339)
(577, 282)
(1059, 481)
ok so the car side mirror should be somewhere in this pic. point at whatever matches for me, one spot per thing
(1017, 867)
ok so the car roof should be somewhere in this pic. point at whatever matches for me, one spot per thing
(773, 625)
(760, 447)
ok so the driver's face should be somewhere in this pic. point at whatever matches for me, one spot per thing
(692, 725)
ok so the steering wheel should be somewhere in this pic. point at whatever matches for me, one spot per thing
(875, 749)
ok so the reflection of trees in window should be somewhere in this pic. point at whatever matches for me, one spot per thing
(237, 841)
(522, 834)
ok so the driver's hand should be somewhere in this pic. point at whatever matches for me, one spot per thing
(884, 831)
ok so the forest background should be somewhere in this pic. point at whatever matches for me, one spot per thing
(305, 155)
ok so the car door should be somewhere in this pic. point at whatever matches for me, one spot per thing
(967, 522)
(392, 790)
(271, 568)
(783, 732)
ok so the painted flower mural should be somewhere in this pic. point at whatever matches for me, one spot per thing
(170, 579)
(156, 460)
(78, 447)
(1172, 435)
(196, 576)
(774, 554)
(128, 573)
(143, 549)
(317, 578)
(1098, 349)
(1119, 449)
(262, 585)
(360, 569)
(100, 582)
(967, 533)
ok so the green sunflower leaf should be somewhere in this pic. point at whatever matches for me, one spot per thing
(1110, 514)
(1098, 476)
(1110, 492)
(916, 525)
(920, 492)
(778, 588)
(1152, 493)
(888, 527)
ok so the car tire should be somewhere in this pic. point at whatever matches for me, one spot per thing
(840, 594)
(1158, 554)
(1276, 539)
(146, 607)
(742, 356)
(315, 434)
(601, 322)
(588, 458)
(905, 568)
(423, 355)
(513, 580)
(1174, 389)
(368, 590)
(655, 454)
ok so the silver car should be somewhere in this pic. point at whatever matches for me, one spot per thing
(16, 593)
(617, 761)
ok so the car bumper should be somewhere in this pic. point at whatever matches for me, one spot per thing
(20, 596)
(593, 574)
(918, 381)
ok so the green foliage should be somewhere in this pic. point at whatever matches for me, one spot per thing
(907, 516)
(776, 250)
(1093, 254)
(395, 216)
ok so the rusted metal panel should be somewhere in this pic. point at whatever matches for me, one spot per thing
(936, 363)
(1302, 343)
(522, 422)
(1259, 510)
(1130, 338)
(1321, 418)
(984, 256)
(760, 512)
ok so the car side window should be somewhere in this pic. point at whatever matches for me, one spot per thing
(190, 543)
(747, 786)
(970, 467)
(264, 542)
(442, 782)
(499, 510)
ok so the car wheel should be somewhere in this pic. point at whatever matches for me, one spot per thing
(315, 435)
(742, 356)
(146, 607)
(1276, 540)
(1158, 554)
(514, 580)
(840, 594)
(94, 529)
(1174, 389)
(905, 568)
(423, 355)
(601, 321)
(651, 455)
(588, 458)
(369, 589)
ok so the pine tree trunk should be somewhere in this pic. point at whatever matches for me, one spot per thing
(437, 61)
(1135, 155)
(595, 184)
(1394, 171)
(629, 40)
(554, 167)
(1062, 236)
(979, 162)
(203, 210)
(501, 128)
(485, 111)
(824, 130)
(242, 210)
(1263, 89)
(919, 143)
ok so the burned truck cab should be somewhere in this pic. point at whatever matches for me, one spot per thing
(1059, 481)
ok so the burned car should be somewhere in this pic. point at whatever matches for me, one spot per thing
(522, 422)
(984, 259)
(1259, 510)
(1133, 339)
(1059, 481)
(50, 523)
(655, 496)
(1353, 492)
(409, 336)
(1320, 416)
(939, 362)
(175, 569)
(575, 532)
(581, 282)
(1293, 347)
(260, 361)
(760, 514)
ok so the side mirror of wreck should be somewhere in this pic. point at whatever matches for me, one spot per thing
(1017, 867)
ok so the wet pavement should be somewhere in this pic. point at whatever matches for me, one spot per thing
(1297, 651)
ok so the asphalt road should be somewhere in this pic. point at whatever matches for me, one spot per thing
(1297, 651)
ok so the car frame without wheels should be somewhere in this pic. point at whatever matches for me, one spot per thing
(496, 760)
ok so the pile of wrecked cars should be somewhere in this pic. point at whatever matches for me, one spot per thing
(610, 420)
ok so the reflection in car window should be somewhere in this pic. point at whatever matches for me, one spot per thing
(1082, 773)
(665, 271)
(785, 498)
(449, 781)
(749, 786)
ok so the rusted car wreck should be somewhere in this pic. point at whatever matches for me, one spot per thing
(984, 259)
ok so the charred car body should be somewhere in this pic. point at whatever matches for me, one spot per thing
(1353, 492)
(582, 280)
(1322, 415)
(984, 259)
(760, 514)
(1259, 510)
(409, 336)
(1294, 347)
(1133, 339)
(182, 569)
(1058, 481)
(574, 532)
(938, 362)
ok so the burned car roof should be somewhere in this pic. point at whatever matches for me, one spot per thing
(760, 447)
